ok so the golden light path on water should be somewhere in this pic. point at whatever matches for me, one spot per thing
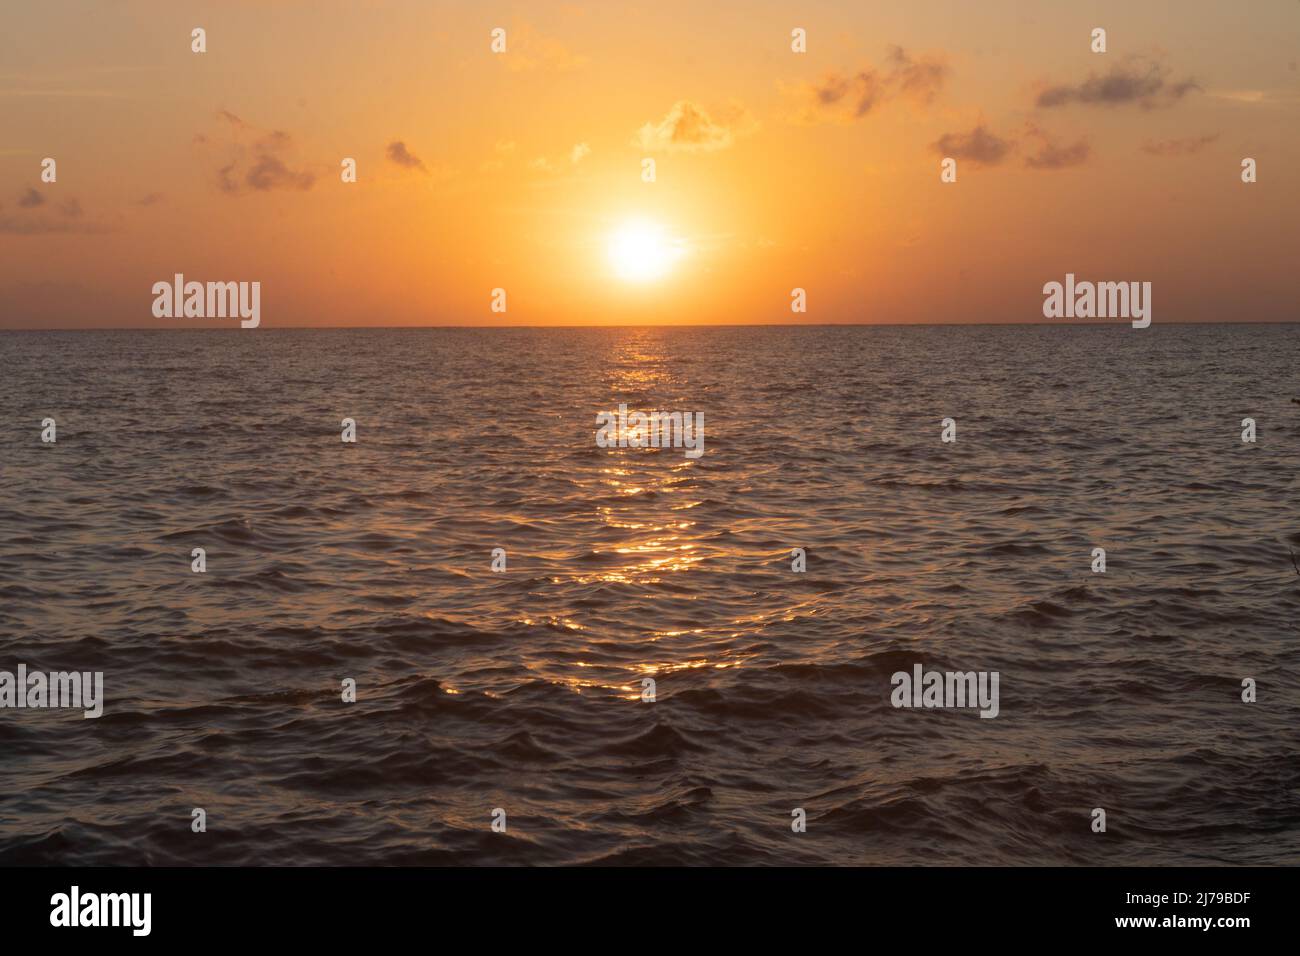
(650, 552)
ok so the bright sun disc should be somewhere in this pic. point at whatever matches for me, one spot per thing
(641, 251)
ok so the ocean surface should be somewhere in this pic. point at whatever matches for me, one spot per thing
(522, 689)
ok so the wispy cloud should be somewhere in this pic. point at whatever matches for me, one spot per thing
(39, 215)
(980, 146)
(1040, 150)
(845, 96)
(527, 49)
(1049, 154)
(269, 172)
(261, 165)
(503, 150)
(689, 128)
(1135, 81)
(1256, 97)
(1179, 147)
(920, 79)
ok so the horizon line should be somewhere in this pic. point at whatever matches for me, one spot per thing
(646, 325)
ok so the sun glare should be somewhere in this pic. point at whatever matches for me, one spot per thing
(641, 251)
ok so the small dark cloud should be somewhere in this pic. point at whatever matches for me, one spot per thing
(262, 166)
(980, 146)
(919, 79)
(1048, 154)
(1134, 81)
(64, 217)
(856, 93)
(1051, 156)
(275, 140)
(852, 95)
(1179, 147)
(33, 199)
(226, 179)
(269, 172)
(399, 154)
(151, 199)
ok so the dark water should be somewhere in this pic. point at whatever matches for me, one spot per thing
(521, 690)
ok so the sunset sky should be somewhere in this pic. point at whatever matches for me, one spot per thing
(523, 170)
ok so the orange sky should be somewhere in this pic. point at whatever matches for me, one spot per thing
(774, 170)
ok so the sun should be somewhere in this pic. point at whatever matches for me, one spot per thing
(641, 251)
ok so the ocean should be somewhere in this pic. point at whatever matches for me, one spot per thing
(522, 690)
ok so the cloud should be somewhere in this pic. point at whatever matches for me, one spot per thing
(399, 154)
(261, 165)
(149, 200)
(66, 216)
(1277, 97)
(32, 199)
(1138, 81)
(501, 151)
(1179, 147)
(846, 96)
(855, 95)
(979, 146)
(920, 80)
(1241, 96)
(541, 164)
(269, 172)
(526, 49)
(1051, 155)
(688, 128)
(982, 147)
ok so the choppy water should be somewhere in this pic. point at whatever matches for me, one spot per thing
(521, 690)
